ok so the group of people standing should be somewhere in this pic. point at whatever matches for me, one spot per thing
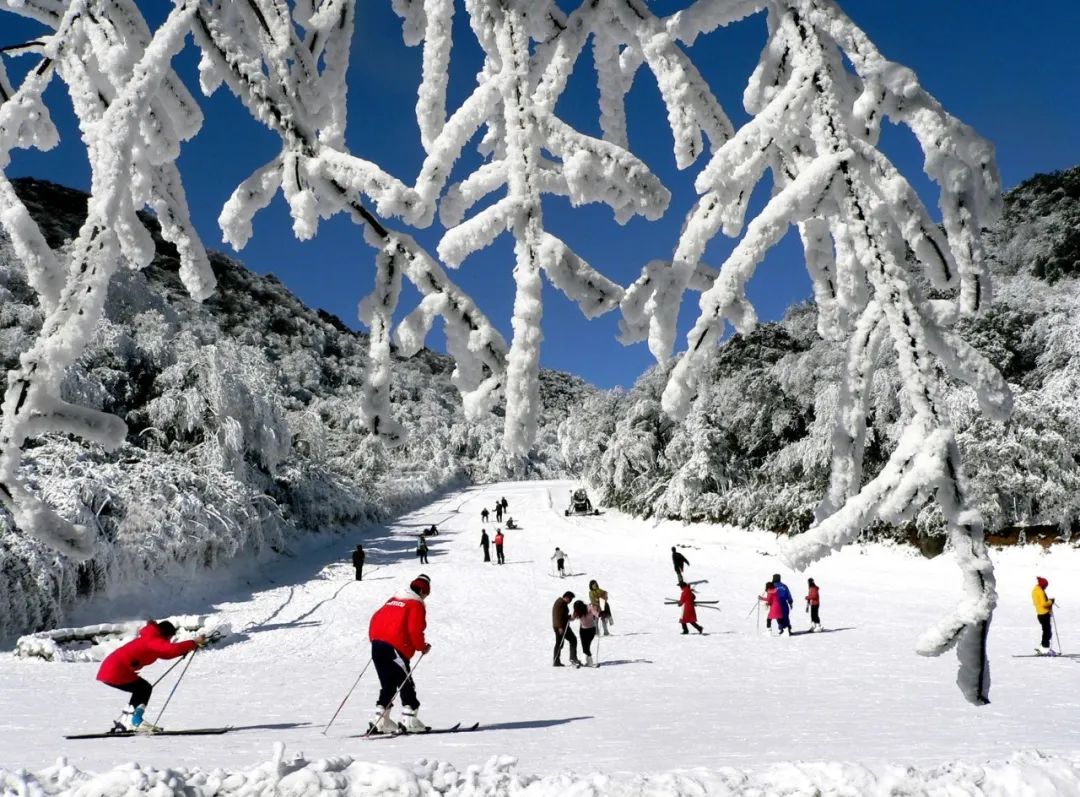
(592, 618)
(778, 598)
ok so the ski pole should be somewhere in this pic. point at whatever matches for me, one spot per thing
(755, 607)
(173, 667)
(183, 672)
(347, 696)
(1056, 634)
(386, 711)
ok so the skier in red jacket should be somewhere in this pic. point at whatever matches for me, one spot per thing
(120, 669)
(396, 633)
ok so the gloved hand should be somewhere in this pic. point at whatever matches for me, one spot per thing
(201, 641)
(427, 648)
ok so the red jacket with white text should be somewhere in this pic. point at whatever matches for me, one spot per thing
(401, 623)
(122, 665)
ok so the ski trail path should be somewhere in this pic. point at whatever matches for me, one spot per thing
(660, 700)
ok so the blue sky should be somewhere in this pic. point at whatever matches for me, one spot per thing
(1008, 69)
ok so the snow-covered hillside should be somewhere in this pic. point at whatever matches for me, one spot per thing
(849, 711)
(755, 448)
(245, 429)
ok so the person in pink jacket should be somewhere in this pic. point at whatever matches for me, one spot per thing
(772, 600)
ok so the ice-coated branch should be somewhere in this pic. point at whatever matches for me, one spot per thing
(515, 98)
(115, 106)
(319, 178)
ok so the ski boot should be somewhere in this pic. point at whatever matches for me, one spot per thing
(575, 662)
(140, 725)
(589, 661)
(382, 723)
(410, 723)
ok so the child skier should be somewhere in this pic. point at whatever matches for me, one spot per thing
(770, 600)
(560, 561)
(689, 613)
(598, 598)
(1044, 610)
(120, 669)
(422, 549)
(484, 515)
(499, 546)
(587, 617)
(813, 603)
(396, 632)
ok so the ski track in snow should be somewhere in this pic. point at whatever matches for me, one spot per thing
(728, 712)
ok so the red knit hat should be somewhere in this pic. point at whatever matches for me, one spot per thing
(1042, 582)
(421, 585)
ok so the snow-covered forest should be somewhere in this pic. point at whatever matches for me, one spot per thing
(244, 428)
(889, 279)
(754, 449)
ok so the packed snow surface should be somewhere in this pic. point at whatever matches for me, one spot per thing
(850, 711)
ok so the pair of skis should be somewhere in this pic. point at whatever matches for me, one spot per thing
(430, 731)
(124, 734)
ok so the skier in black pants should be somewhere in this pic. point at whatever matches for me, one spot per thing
(422, 550)
(358, 562)
(485, 543)
(679, 561)
(498, 512)
(560, 621)
(484, 515)
(396, 632)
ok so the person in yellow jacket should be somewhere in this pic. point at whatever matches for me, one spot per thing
(1044, 608)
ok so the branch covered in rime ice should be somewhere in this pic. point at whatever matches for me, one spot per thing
(815, 127)
(515, 98)
(124, 92)
(305, 106)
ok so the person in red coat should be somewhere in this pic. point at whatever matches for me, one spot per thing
(397, 633)
(499, 539)
(120, 669)
(689, 613)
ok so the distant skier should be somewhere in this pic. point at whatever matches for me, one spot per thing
(1044, 611)
(485, 542)
(499, 546)
(505, 504)
(559, 558)
(813, 604)
(431, 530)
(358, 562)
(689, 613)
(783, 595)
(679, 561)
(773, 602)
(587, 616)
(484, 515)
(120, 669)
(396, 632)
(422, 549)
(599, 599)
(560, 621)
(498, 512)
(510, 524)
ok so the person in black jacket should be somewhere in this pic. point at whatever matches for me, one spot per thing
(484, 543)
(560, 622)
(358, 562)
(679, 561)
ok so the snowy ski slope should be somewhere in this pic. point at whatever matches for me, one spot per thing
(729, 710)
